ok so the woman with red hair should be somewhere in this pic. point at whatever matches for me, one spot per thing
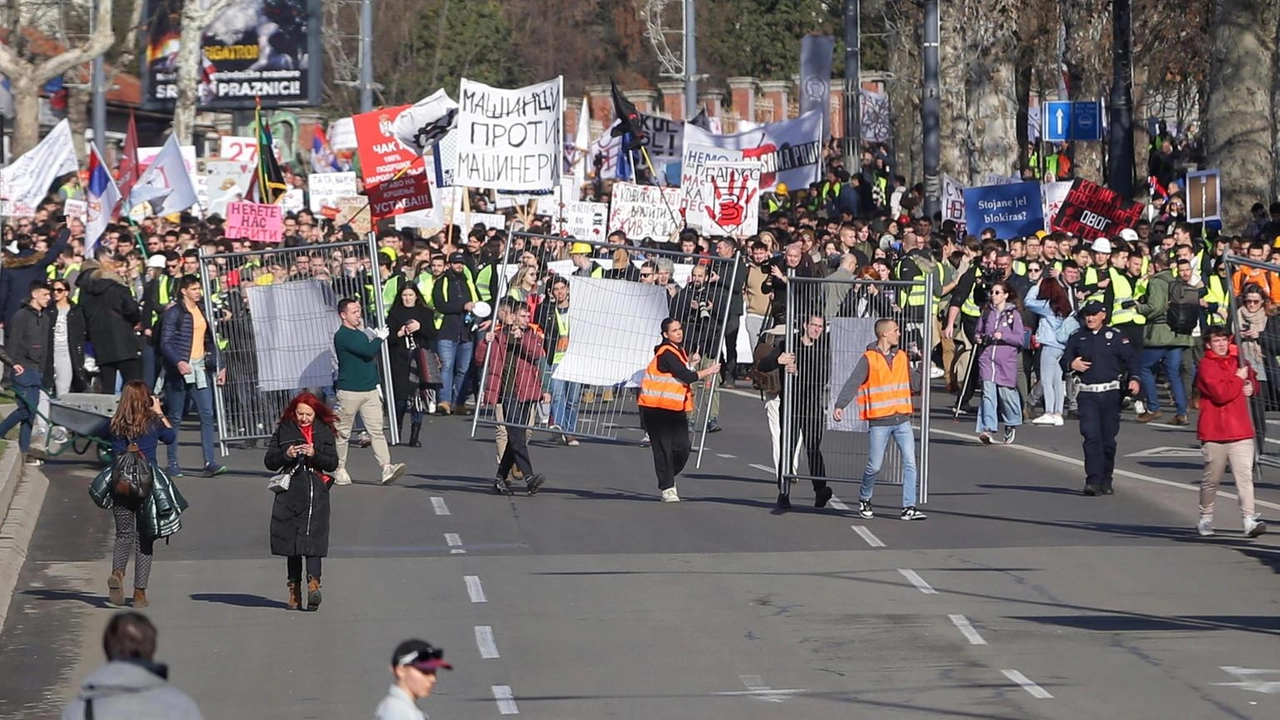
(303, 446)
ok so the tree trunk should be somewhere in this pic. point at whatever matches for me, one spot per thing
(1141, 139)
(953, 75)
(194, 22)
(26, 114)
(1088, 58)
(993, 95)
(78, 99)
(904, 93)
(1239, 130)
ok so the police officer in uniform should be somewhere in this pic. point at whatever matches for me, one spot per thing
(1104, 363)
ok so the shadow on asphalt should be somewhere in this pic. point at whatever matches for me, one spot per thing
(245, 600)
(97, 601)
(1174, 623)
(1049, 490)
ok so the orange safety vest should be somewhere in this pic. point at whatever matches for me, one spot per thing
(663, 391)
(887, 391)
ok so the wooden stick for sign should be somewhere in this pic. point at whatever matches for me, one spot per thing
(466, 214)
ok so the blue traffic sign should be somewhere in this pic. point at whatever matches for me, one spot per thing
(1073, 121)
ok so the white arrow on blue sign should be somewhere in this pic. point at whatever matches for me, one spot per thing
(1073, 121)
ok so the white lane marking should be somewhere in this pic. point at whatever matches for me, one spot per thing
(914, 578)
(761, 468)
(1025, 683)
(484, 641)
(754, 395)
(506, 700)
(455, 544)
(1248, 679)
(727, 456)
(437, 504)
(475, 590)
(758, 690)
(966, 628)
(867, 535)
(1122, 473)
(837, 503)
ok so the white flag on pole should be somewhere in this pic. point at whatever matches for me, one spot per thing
(166, 184)
(422, 125)
(24, 184)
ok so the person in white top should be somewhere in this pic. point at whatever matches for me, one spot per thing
(414, 664)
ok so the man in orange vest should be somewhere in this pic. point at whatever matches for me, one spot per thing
(884, 381)
(665, 402)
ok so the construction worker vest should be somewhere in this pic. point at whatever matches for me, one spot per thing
(887, 391)
(1123, 291)
(1217, 294)
(970, 307)
(914, 295)
(1091, 280)
(562, 335)
(471, 288)
(662, 391)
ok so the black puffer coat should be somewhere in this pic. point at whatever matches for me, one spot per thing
(300, 515)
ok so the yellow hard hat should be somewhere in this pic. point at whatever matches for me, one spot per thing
(580, 248)
(781, 189)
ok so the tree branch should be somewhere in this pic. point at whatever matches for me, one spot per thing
(99, 42)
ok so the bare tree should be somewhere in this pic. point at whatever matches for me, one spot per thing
(1088, 59)
(28, 72)
(903, 21)
(953, 71)
(196, 16)
(993, 99)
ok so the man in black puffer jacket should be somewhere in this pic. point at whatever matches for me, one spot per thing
(22, 269)
(111, 315)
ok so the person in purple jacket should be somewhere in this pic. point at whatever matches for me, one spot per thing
(1000, 337)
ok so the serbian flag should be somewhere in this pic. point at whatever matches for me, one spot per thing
(103, 198)
(1157, 190)
(322, 158)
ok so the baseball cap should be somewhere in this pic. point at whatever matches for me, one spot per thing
(1093, 307)
(420, 654)
(457, 257)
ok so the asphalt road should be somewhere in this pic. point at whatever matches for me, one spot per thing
(1018, 598)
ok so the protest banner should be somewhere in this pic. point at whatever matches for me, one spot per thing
(1204, 196)
(241, 149)
(225, 181)
(645, 211)
(257, 222)
(1054, 194)
(326, 188)
(354, 211)
(148, 154)
(493, 221)
(952, 200)
(1011, 210)
(510, 139)
(790, 152)
(1091, 211)
(78, 209)
(26, 181)
(731, 193)
(581, 220)
(395, 177)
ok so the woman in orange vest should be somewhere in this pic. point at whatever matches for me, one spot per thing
(665, 401)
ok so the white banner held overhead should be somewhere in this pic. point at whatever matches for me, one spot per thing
(25, 182)
(326, 188)
(166, 184)
(1053, 195)
(510, 139)
(730, 194)
(645, 211)
(226, 181)
(790, 152)
(581, 220)
(952, 199)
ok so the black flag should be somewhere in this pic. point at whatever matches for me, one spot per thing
(628, 119)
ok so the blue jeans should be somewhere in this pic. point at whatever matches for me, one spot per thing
(1172, 359)
(564, 404)
(22, 413)
(1008, 402)
(879, 441)
(176, 392)
(455, 359)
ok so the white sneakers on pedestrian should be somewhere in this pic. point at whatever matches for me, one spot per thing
(1205, 526)
(935, 372)
(670, 495)
(340, 477)
(1254, 526)
(1053, 419)
(392, 472)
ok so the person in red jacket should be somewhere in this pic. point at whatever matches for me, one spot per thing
(513, 385)
(1225, 429)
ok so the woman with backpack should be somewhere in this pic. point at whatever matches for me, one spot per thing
(1000, 337)
(138, 426)
(1050, 303)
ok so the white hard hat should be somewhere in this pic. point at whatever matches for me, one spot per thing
(481, 309)
(1129, 235)
(156, 260)
(1102, 245)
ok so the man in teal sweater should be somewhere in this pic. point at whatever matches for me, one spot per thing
(358, 390)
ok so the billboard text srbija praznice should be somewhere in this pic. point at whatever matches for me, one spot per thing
(256, 48)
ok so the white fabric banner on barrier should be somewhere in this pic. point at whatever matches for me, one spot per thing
(302, 311)
(609, 347)
(849, 339)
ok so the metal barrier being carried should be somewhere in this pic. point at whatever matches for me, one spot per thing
(828, 326)
(274, 314)
(601, 312)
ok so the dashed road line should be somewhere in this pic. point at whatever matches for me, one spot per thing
(869, 536)
(837, 503)
(437, 504)
(966, 628)
(1025, 683)
(455, 544)
(484, 641)
(761, 468)
(914, 578)
(506, 700)
(475, 590)
(726, 456)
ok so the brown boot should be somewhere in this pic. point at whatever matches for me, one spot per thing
(115, 588)
(313, 592)
(140, 599)
(295, 595)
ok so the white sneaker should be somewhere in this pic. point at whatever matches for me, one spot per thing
(1139, 407)
(392, 472)
(935, 372)
(1205, 525)
(1254, 526)
(340, 477)
(1045, 419)
(669, 495)
(1058, 421)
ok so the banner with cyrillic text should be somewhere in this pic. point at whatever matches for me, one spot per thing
(790, 152)
(1091, 211)
(730, 199)
(645, 211)
(255, 221)
(394, 175)
(510, 139)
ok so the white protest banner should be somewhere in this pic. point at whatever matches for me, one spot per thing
(25, 182)
(354, 211)
(731, 192)
(608, 150)
(238, 148)
(993, 179)
(952, 200)
(255, 221)
(611, 347)
(148, 154)
(293, 200)
(645, 211)
(510, 139)
(225, 181)
(490, 220)
(326, 188)
(166, 183)
(1054, 194)
(342, 134)
(580, 220)
(790, 152)
(423, 124)
(78, 209)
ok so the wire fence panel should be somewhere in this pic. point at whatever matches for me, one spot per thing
(828, 325)
(600, 308)
(274, 314)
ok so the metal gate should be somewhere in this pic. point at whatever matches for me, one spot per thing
(273, 314)
(834, 320)
(612, 315)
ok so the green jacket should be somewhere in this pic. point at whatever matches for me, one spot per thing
(1156, 333)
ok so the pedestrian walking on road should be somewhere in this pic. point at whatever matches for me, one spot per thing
(28, 335)
(666, 399)
(358, 391)
(131, 685)
(513, 386)
(1225, 429)
(304, 445)
(883, 382)
(1104, 362)
(1000, 337)
(414, 664)
(191, 365)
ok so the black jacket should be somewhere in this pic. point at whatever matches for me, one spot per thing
(28, 338)
(75, 345)
(110, 313)
(177, 330)
(450, 295)
(403, 380)
(300, 515)
(20, 271)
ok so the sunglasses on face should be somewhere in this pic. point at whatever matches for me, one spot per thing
(60, 289)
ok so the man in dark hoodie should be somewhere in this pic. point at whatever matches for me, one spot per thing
(27, 344)
(111, 314)
(131, 684)
(23, 268)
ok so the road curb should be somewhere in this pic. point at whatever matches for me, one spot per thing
(23, 496)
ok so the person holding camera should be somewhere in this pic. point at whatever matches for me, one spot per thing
(700, 306)
(513, 386)
(1104, 363)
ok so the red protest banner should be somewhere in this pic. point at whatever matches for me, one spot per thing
(1091, 211)
(255, 221)
(395, 177)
